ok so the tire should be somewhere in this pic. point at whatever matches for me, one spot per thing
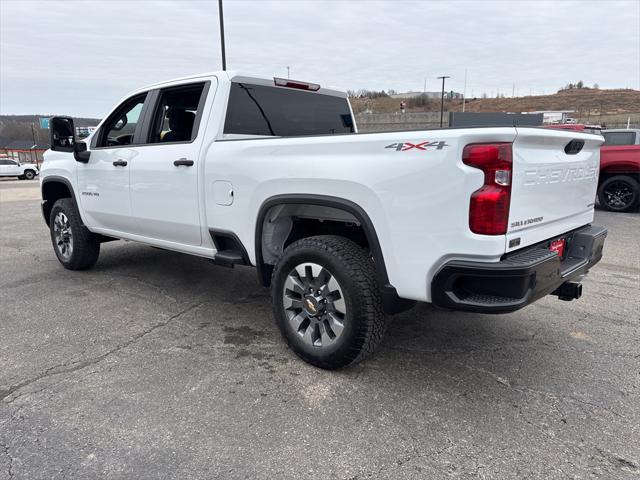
(74, 245)
(341, 320)
(29, 174)
(619, 193)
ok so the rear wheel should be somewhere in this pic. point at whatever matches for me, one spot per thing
(29, 174)
(326, 301)
(619, 193)
(73, 244)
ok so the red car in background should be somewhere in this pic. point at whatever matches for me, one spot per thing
(619, 183)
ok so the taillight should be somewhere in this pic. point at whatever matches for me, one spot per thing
(285, 82)
(489, 206)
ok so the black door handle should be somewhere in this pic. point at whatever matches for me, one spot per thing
(120, 163)
(183, 162)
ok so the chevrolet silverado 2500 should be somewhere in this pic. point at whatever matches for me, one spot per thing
(344, 227)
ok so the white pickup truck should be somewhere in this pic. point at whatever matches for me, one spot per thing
(344, 227)
(14, 168)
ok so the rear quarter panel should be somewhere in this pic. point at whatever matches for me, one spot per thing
(416, 197)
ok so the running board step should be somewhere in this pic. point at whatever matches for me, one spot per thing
(228, 258)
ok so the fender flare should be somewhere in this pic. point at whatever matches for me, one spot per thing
(326, 201)
(44, 203)
(390, 300)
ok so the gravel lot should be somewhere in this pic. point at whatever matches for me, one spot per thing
(160, 365)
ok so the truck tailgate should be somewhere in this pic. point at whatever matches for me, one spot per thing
(552, 191)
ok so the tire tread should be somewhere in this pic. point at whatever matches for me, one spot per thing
(86, 248)
(361, 270)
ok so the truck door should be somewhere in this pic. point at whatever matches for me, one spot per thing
(104, 180)
(165, 172)
(13, 168)
(4, 167)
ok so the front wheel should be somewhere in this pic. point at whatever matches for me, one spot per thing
(73, 244)
(29, 174)
(326, 301)
(619, 193)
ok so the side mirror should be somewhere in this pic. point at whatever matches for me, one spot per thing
(63, 139)
(80, 152)
(62, 134)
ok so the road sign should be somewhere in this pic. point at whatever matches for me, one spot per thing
(44, 123)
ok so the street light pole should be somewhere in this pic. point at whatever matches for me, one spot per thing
(442, 101)
(224, 57)
(33, 149)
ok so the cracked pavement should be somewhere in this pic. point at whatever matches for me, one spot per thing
(160, 365)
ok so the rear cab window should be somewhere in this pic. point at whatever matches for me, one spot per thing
(260, 110)
(619, 138)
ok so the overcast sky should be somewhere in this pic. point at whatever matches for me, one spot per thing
(80, 57)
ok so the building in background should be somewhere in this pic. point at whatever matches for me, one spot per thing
(23, 150)
(556, 116)
(435, 95)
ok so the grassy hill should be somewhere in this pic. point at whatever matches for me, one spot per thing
(586, 102)
(591, 105)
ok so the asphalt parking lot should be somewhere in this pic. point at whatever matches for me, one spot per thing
(160, 365)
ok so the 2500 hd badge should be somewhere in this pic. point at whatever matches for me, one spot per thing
(528, 221)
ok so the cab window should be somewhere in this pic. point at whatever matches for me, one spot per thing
(619, 138)
(284, 112)
(120, 128)
(176, 114)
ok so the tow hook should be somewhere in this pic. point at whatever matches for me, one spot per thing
(568, 291)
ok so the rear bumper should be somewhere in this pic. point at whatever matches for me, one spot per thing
(519, 278)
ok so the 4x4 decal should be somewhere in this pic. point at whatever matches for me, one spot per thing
(404, 146)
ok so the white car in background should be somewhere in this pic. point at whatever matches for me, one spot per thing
(13, 168)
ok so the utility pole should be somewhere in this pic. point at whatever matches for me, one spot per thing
(33, 149)
(424, 89)
(288, 70)
(224, 57)
(464, 95)
(442, 100)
